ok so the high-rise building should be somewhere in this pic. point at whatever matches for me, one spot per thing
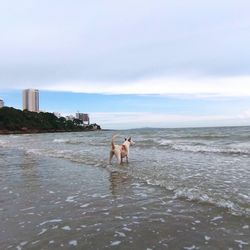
(31, 100)
(83, 117)
(1, 103)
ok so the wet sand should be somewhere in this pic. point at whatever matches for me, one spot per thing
(51, 203)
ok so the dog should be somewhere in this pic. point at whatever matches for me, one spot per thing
(120, 151)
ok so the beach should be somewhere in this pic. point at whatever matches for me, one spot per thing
(182, 189)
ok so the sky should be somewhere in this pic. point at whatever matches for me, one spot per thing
(130, 64)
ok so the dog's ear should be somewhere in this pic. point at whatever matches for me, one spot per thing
(129, 139)
(125, 138)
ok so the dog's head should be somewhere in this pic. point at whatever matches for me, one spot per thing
(131, 142)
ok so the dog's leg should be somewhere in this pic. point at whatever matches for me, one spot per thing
(119, 159)
(118, 156)
(111, 156)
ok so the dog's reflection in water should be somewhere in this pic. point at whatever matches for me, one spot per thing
(117, 182)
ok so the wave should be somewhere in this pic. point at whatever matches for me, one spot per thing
(207, 149)
(4, 144)
(202, 137)
(67, 141)
(73, 142)
(60, 140)
(196, 195)
(204, 147)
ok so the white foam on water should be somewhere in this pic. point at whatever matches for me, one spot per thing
(50, 221)
(190, 248)
(23, 243)
(28, 208)
(34, 151)
(60, 140)
(73, 243)
(70, 198)
(104, 196)
(3, 144)
(67, 228)
(85, 205)
(245, 196)
(217, 218)
(207, 238)
(196, 194)
(162, 220)
(241, 242)
(203, 147)
(119, 217)
(127, 229)
(120, 234)
(165, 142)
(35, 242)
(115, 243)
(43, 231)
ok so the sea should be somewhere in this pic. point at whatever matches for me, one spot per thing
(183, 188)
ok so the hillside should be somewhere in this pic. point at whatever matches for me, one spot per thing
(16, 121)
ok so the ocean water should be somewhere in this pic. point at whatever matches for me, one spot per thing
(182, 189)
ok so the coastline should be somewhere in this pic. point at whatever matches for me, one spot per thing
(15, 121)
(36, 131)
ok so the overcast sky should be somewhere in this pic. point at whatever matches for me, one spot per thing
(178, 50)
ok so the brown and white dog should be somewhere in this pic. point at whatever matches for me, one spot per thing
(120, 151)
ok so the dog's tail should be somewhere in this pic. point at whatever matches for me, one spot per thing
(113, 142)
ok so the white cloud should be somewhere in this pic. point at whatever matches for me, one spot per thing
(143, 119)
(196, 87)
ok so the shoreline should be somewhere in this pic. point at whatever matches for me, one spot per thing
(11, 132)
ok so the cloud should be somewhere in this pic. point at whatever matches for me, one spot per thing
(195, 87)
(99, 44)
(147, 119)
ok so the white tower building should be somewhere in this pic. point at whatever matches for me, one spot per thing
(1, 103)
(31, 100)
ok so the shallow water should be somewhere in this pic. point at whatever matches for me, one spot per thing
(182, 189)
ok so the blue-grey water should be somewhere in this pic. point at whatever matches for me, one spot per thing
(182, 189)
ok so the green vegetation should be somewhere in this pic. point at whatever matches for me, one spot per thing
(17, 121)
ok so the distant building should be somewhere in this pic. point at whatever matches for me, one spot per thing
(83, 117)
(1, 103)
(70, 117)
(57, 114)
(31, 100)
